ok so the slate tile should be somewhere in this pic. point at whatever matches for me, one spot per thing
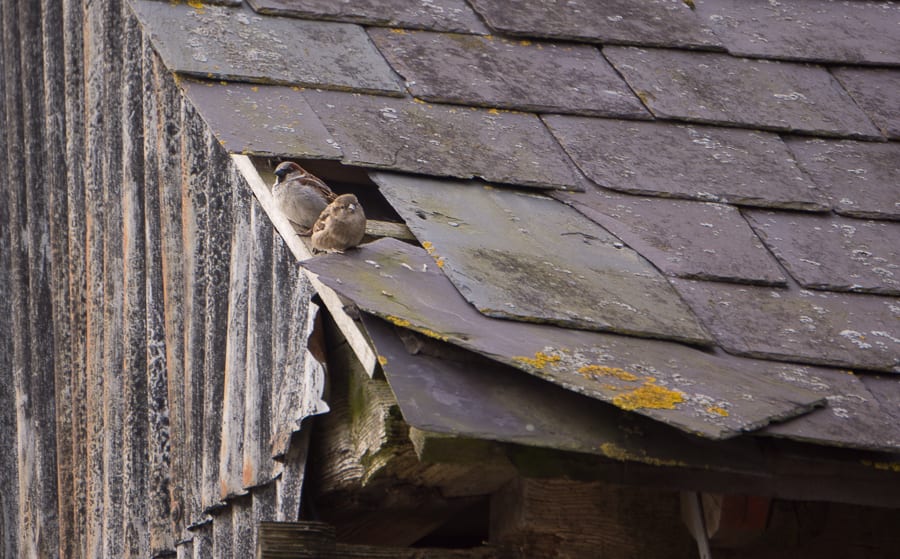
(443, 140)
(812, 30)
(722, 89)
(236, 43)
(886, 390)
(669, 382)
(852, 418)
(437, 15)
(268, 120)
(859, 178)
(820, 328)
(686, 161)
(877, 92)
(527, 257)
(699, 240)
(496, 72)
(652, 22)
(832, 252)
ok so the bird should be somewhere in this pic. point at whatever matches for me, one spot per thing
(342, 225)
(300, 195)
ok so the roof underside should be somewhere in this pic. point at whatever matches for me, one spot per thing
(687, 211)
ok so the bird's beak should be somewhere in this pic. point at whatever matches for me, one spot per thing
(352, 207)
(277, 180)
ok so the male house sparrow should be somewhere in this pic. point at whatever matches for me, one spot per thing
(300, 195)
(342, 225)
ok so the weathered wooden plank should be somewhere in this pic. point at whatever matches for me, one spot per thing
(195, 178)
(34, 368)
(73, 30)
(135, 529)
(218, 250)
(231, 455)
(158, 492)
(9, 505)
(170, 192)
(257, 458)
(263, 505)
(56, 175)
(202, 543)
(223, 542)
(242, 527)
(289, 486)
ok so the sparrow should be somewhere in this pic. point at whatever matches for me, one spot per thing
(342, 225)
(300, 195)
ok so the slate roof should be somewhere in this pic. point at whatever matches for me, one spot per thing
(686, 210)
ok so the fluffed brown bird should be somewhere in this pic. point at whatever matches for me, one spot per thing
(342, 225)
(300, 195)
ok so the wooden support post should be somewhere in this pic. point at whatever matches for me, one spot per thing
(692, 515)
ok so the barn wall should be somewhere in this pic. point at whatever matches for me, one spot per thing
(152, 322)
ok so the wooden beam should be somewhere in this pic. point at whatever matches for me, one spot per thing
(335, 305)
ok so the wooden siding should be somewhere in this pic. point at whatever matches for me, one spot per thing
(153, 354)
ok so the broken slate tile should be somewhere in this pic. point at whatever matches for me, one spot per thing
(852, 418)
(236, 43)
(438, 15)
(820, 328)
(859, 178)
(652, 23)
(689, 389)
(722, 89)
(496, 72)
(877, 92)
(527, 257)
(686, 161)
(443, 140)
(268, 120)
(832, 252)
(811, 30)
(699, 240)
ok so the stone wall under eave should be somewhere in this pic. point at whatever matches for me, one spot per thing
(152, 319)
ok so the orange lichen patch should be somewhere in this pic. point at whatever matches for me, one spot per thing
(398, 31)
(649, 395)
(493, 111)
(539, 361)
(525, 43)
(196, 4)
(403, 323)
(382, 360)
(886, 466)
(397, 321)
(717, 410)
(254, 88)
(429, 248)
(592, 371)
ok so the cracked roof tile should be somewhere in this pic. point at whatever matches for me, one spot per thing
(834, 253)
(722, 89)
(438, 15)
(444, 140)
(238, 44)
(689, 161)
(812, 30)
(496, 72)
(859, 178)
(815, 327)
(652, 23)
(699, 240)
(528, 257)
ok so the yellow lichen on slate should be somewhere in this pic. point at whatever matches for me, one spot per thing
(539, 361)
(612, 450)
(429, 248)
(397, 321)
(887, 466)
(591, 371)
(382, 360)
(717, 410)
(649, 395)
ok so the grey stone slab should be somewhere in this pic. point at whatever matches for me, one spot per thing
(443, 140)
(450, 391)
(437, 15)
(812, 30)
(237, 43)
(886, 390)
(268, 120)
(686, 161)
(852, 418)
(687, 388)
(722, 89)
(496, 72)
(528, 257)
(816, 327)
(877, 92)
(651, 22)
(699, 240)
(832, 252)
(860, 179)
